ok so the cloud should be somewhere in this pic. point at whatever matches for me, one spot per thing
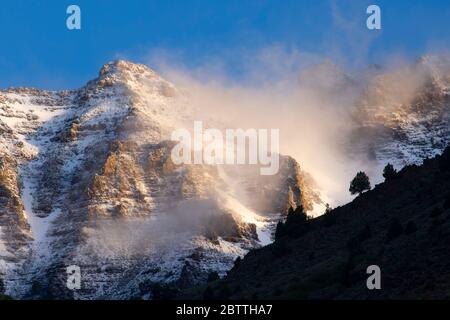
(283, 88)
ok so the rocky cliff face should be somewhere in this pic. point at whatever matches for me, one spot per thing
(403, 116)
(86, 179)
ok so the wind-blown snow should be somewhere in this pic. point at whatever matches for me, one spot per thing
(94, 113)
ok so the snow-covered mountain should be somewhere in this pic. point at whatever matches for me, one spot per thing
(403, 115)
(400, 114)
(86, 179)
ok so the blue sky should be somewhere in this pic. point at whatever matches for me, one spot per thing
(38, 50)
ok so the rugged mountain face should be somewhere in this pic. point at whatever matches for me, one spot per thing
(403, 116)
(401, 225)
(400, 116)
(86, 179)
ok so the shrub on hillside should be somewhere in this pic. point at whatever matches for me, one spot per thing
(295, 226)
(389, 172)
(298, 216)
(280, 231)
(360, 183)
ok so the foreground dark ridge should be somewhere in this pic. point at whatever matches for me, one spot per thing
(402, 225)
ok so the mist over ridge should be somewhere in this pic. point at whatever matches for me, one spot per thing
(317, 104)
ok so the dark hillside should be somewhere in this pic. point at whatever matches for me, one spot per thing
(402, 225)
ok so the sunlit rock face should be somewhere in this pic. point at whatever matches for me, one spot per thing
(86, 179)
(399, 114)
(403, 116)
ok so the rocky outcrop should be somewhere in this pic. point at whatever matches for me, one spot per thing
(93, 185)
(14, 227)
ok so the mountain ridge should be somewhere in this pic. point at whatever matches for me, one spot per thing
(86, 179)
(92, 167)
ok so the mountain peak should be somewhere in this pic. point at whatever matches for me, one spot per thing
(124, 72)
(124, 66)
